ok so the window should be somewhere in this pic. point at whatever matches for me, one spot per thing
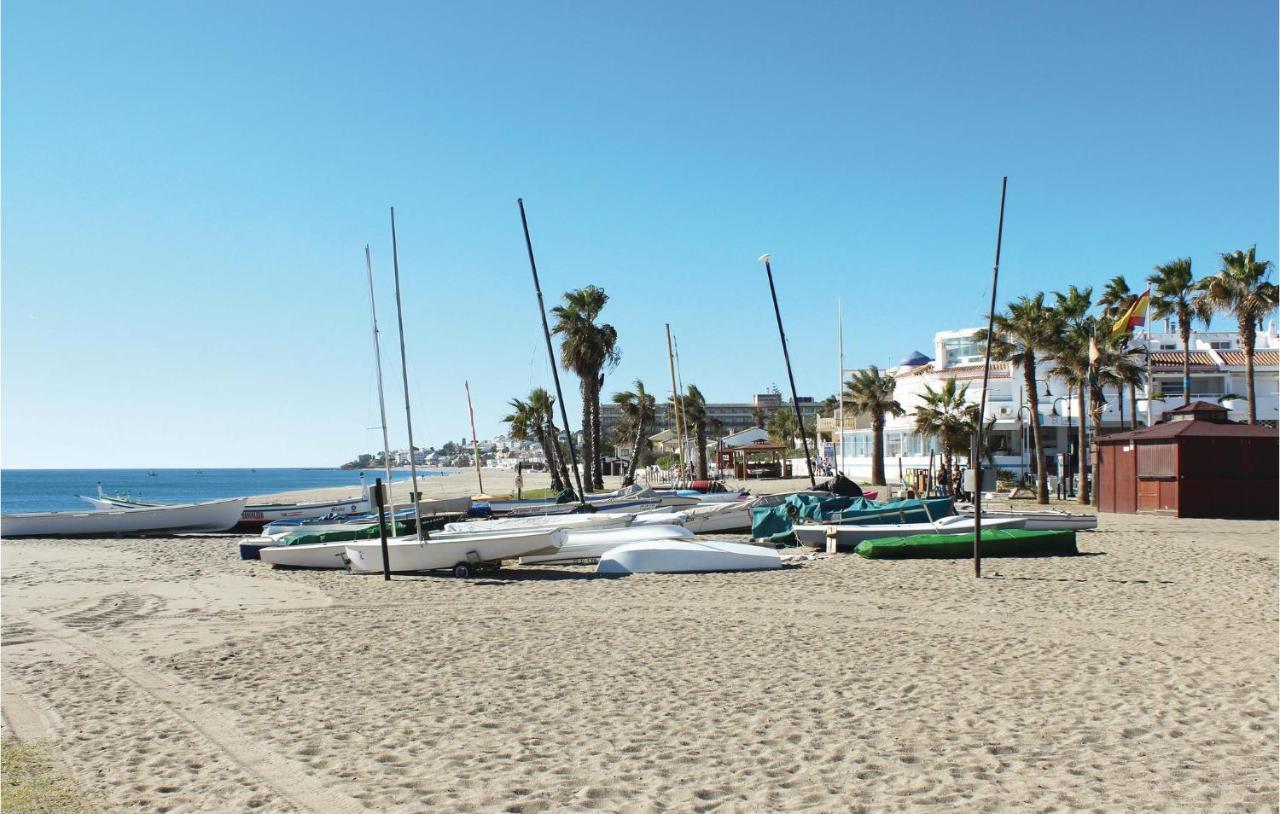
(1226, 345)
(962, 351)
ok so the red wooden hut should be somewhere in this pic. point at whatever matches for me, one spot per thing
(1195, 464)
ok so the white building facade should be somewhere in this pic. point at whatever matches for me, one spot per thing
(1217, 372)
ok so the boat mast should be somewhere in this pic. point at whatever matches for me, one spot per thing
(404, 371)
(982, 403)
(795, 400)
(839, 456)
(382, 404)
(551, 354)
(475, 445)
(675, 403)
(690, 452)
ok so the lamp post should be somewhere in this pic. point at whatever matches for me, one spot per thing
(1071, 482)
(1022, 442)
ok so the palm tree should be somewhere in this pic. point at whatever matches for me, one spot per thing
(946, 415)
(1071, 354)
(526, 423)
(1117, 299)
(1173, 295)
(693, 409)
(639, 409)
(758, 417)
(544, 404)
(782, 427)
(870, 393)
(1028, 330)
(587, 349)
(1240, 288)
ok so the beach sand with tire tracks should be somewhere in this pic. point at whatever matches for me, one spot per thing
(166, 674)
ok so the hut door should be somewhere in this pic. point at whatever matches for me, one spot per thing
(1148, 495)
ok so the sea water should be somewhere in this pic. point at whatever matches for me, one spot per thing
(44, 490)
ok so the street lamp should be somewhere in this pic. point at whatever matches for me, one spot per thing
(1071, 483)
(1022, 441)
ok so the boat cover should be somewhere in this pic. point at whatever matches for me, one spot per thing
(995, 543)
(775, 522)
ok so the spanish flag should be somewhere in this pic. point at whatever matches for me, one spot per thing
(1134, 317)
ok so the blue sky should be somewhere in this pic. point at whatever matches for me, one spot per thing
(188, 189)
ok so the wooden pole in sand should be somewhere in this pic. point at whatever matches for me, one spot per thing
(551, 354)
(404, 371)
(795, 400)
(382, 534)
(475, 445)
(982, 403)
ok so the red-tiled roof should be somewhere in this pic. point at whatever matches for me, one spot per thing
(1267, 357)
(999, 370)
(1172, 360)
(1174, 429)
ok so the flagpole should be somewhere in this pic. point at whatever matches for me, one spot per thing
(1147, 323)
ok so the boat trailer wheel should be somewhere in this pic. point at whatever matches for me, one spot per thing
(462, 570)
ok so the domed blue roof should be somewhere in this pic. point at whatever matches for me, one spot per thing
(915, 360)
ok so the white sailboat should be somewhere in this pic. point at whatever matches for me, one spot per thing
(463, 554)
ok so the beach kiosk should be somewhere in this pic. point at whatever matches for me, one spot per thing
(1195, 464)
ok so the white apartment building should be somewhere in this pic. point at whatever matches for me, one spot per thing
(1217, 371)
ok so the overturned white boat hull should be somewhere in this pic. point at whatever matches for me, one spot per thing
(848, 536)
(590, 544)
(1039, 519)
(597, 520)
(709, 519)
(443, 551)
(687, 556)
(209, 516)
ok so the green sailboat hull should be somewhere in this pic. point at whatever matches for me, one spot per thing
(995, 543)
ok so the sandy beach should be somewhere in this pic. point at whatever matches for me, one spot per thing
(168, 675)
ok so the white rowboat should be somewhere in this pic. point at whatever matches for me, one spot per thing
(599, 520)
(209, 516)
(687, 556)
(590, 544)
(1039, 519)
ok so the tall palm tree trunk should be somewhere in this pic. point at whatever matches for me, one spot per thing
(597, 428)
(1247, 334)
(1120, 404)
(877, 448)
(1082, 451)
(556, 483)
(588, 447)
(635, 453)
(1185, 329)
(1133, 405)
(553, 440)
(1037, 435)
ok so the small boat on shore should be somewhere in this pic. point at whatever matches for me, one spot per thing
(848, 537)
(253, 515)
(598, 520)
(1038, 519)
(209, 516)
(463, 554)
(996, 543)
(687, 556)
(591, 544)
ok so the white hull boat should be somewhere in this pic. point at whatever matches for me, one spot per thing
(687, 556)
(209, 516)
(708, 519)
(314, 555)
(461, 553)
(590, 544)
(251, 515)
(1039, 519)
(599, 520)
(848, 536)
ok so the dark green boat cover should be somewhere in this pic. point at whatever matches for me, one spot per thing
(775, 522)
(360, 531)
(995, 543)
